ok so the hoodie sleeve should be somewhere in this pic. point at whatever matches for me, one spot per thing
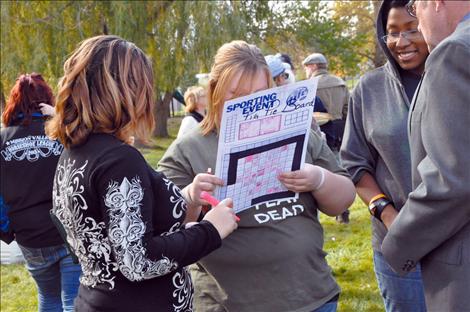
(134, 203)
(176, 165)
(357, 155)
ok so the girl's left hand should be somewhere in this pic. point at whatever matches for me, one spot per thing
(306, 179)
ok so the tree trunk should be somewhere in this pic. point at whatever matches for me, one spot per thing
(104, 25)
(2, 100)
(162, 110)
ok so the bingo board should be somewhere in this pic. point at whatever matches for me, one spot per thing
(255, 167)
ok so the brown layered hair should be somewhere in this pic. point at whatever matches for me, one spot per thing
(28, 92)
(107, 87)
(231, 58)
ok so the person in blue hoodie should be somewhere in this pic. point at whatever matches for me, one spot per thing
(375, 148)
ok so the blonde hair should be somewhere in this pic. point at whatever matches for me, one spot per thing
(107, 87)
(191, 98)
(231, 58)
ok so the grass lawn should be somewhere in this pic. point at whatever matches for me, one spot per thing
(348, 247)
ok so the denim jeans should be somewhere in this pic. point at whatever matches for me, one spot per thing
(327, 307)
(56, 277)
(400, 294)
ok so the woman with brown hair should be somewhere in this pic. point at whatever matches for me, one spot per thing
(28, 161)
(196, 102)
(127, 224)
(278, 263)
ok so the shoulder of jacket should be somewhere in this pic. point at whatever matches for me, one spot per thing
(384, 72)
(328, 80)
(378, 72)
(120, 152)
(449, 44)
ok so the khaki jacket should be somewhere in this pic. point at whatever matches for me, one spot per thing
(334, 94)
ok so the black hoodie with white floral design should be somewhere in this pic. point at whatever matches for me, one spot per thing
(124, 221)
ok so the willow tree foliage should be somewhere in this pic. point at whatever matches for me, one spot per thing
(180, 37)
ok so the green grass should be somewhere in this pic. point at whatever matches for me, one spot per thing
(350, 257)
(348, 247)
(18, 291)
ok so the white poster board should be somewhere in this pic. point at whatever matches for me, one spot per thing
(262, 135)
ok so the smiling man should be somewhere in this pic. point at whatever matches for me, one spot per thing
(433, 227)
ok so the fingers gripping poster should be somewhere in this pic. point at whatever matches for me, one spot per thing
(262, 135)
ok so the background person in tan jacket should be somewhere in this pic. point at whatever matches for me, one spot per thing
(334, 94)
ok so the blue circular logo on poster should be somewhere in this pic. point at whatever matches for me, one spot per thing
(297, 95)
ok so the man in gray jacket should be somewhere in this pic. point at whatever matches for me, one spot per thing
(433, 227)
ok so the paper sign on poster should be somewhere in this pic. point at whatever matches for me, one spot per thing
(262, 135)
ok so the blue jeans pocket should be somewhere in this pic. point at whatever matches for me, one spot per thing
(34, 258)
(327, 307)
(399, 293)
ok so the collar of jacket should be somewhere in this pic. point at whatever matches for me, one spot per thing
(319, 72)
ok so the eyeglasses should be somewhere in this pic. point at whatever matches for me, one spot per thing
(413, 34)
(411, 8)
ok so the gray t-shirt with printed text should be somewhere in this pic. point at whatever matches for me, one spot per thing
(274, 261)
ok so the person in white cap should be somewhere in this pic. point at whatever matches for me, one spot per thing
(334, 95)
(287, 62)
(282, 74)
(277, 69)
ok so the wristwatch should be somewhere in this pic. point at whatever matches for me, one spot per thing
(377, 207)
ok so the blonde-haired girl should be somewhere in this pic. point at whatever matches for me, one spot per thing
(195, 99)
(275, 260)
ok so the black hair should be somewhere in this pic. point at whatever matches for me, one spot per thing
(387, 6)
(286, 59)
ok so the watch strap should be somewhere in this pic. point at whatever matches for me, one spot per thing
(380, 205)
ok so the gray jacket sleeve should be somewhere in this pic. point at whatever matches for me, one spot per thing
(176, 166)
(357, 155)
(438, 207)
